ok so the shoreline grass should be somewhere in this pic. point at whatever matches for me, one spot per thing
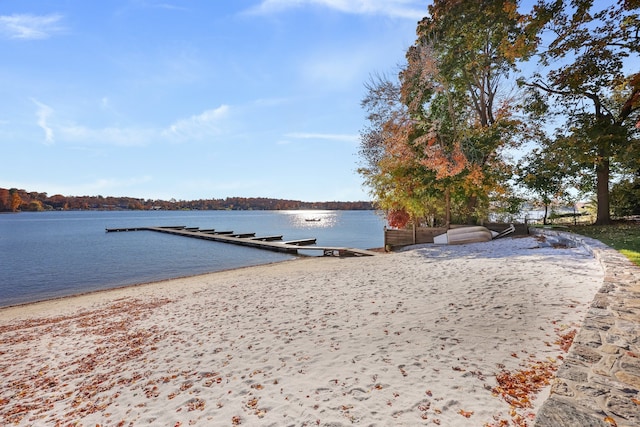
(621, 236)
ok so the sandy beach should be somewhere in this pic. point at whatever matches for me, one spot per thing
(455, 336)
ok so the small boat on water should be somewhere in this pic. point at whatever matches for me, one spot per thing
(312, 219)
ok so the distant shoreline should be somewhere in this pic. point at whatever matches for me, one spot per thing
(31, 201)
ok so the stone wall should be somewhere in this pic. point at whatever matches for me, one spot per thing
(599, 382)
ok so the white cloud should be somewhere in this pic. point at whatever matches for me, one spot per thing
(30, 27)
(409, 9)
(43, 113)
(324, 136)
(208, 123)
(124, 137)
(195, 127)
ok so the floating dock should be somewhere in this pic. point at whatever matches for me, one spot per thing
(272, 243)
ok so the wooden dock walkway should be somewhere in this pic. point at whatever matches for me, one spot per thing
(272, 243)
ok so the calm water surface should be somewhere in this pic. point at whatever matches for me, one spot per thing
(51, 254)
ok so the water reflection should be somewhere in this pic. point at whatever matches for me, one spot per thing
(311, 219)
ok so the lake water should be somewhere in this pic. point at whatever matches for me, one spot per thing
(45, 255)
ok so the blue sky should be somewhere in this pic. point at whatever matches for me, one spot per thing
(191, 99)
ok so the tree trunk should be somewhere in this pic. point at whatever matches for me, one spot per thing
(447, 202)
(472, 202)
(602, 185)
(415, 233)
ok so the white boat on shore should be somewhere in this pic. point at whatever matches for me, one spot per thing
(473, 234)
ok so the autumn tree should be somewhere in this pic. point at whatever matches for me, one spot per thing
(592, 77)
(5, 198)
(439, 119)
(35, 206)
(58, 201)
(439, 148)
(398, 182)
(454, 87)
(477, 45)
(15, 199)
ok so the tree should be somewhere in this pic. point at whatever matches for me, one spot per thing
(433, 105)
(464, 53)
(35, 206)
(434, 147)
(16, 200)
(398, 182)
(625, 197)
(592, 84)
(5, 198)
(383, 107)
(58, 201)
(546, 174)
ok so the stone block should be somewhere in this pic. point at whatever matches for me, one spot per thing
(556, 413)
(560, 387)
(630, 364)
(628, 379)
(590, 338)
(601, 316)
(592, 390)
(609, 349)
(630, 316)
(632, 302)
(603, 367)
(624, 407)
(585, 354)
(619, 339)
(609, 285)
(572, 373)
(600, 302)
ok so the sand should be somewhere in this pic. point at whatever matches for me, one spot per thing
(454, 336)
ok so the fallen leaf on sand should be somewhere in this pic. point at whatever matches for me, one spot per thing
(611, 421)
(466, 414)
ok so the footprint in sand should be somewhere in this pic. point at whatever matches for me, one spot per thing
(359, 394)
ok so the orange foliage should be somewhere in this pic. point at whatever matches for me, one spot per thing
(445, 163)
(396, 141)
(398, 218)
(476, 176)
(16, 201)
